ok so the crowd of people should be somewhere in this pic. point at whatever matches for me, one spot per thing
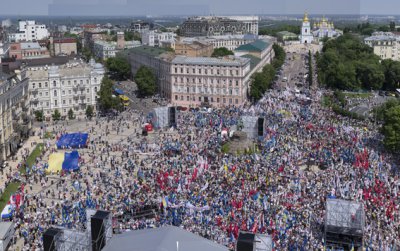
(182, 177)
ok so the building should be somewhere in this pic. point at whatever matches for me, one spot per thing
(324, 28)
(141, 26)
(28, 50)
(231, 42)
(153, 38)
(385, 44)
(194, 49)
(63, 46)
(260, 51)
(104, 49)
(306, 36)
(286, 36)
(29, 31)
(157, 59)
(89, 37)
(211, 25)
(15, 120)
(209, 81)
(73, 85)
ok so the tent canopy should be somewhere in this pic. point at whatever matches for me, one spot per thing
(161, 239)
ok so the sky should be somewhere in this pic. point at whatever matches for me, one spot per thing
(196, 7)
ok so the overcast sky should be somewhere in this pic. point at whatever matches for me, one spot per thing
(190, 7)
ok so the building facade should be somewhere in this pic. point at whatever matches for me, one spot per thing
(152, 38)
(15, 120)
(63, 87)
(209, 81)
(211, 26)
(325, 29)
(385, 44)
(158, 60)
(29, 31)
(194, 49)
(231, 42)
(63, 46)
(28, 50)
(105, 50)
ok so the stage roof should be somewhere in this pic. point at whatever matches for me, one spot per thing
(161, 239)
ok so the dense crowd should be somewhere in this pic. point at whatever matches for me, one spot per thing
(181, 177)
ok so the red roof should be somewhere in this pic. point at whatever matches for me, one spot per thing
(64, 40)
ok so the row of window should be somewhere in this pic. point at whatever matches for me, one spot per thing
(205, 81)
(62, 83)
(64, 102)
(46, 94)
(205, 71)
(207, 90)
(205, 99)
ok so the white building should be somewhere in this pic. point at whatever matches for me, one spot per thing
(231, 42)
(154, 39)
(29, 31)
(6, 23)
(306, 36)
(70, 86)
(385, 44)
(104, 49)
(213, 81)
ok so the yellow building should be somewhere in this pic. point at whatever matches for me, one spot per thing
(194, 49)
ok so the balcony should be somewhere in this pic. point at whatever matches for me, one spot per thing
(82, 96)
(34, 92)
(35, 100)
(76, 96)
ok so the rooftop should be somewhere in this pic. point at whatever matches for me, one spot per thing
(253, 60)
(31, 45)
(258, 46)
(161, 239)
(148, 50)
(226, 61)
(381, 36)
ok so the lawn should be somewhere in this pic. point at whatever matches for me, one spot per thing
(32, 158)
(357, 95)
(10, 189)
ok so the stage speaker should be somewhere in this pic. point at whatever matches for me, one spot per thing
(172, 116)
(260, 124)
(98, 225)
(245, 242)
(50, 238)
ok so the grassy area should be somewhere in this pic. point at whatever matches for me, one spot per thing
(225, 148)
(48, 135)
(357, 95)
(10, 189)
(32, 158)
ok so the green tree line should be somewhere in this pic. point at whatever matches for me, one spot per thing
(348, 64)
(262, 81)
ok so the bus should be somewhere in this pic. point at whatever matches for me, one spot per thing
(125, 100)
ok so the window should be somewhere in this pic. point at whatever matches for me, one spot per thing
(181, 97)
(33, 85)
(187, 98)
(236, 101)
(223, 100)
(199, 71)
(55, 93)
(176, 97)
(54, 83)
(69, 92)
(199, 99)
(88, 100)
(81, 81)
(176, 70)
(64, 102)
(45, 84)
(62, 82)
(47, 104)
(217, 100)
(69, 82)
(63, 92)
(87, 90)
(40, 85)
(74, 81)
(47, 94)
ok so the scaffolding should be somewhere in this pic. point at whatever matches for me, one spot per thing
(250, 126)
(160, 118)
(344, 224)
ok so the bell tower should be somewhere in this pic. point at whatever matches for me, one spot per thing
(306, 36)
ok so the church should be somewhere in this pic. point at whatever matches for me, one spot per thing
(319, 30)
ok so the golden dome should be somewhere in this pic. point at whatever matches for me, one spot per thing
(305, 19)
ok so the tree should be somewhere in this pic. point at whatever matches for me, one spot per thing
(391, 129)
(119, 68)
(392, 26)
(71, 114)
(39, 115)
(56, 115)
(391, 71)
(106, 98)
(89, 111)
(221, 52)
(129, 36)
(146, 81)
